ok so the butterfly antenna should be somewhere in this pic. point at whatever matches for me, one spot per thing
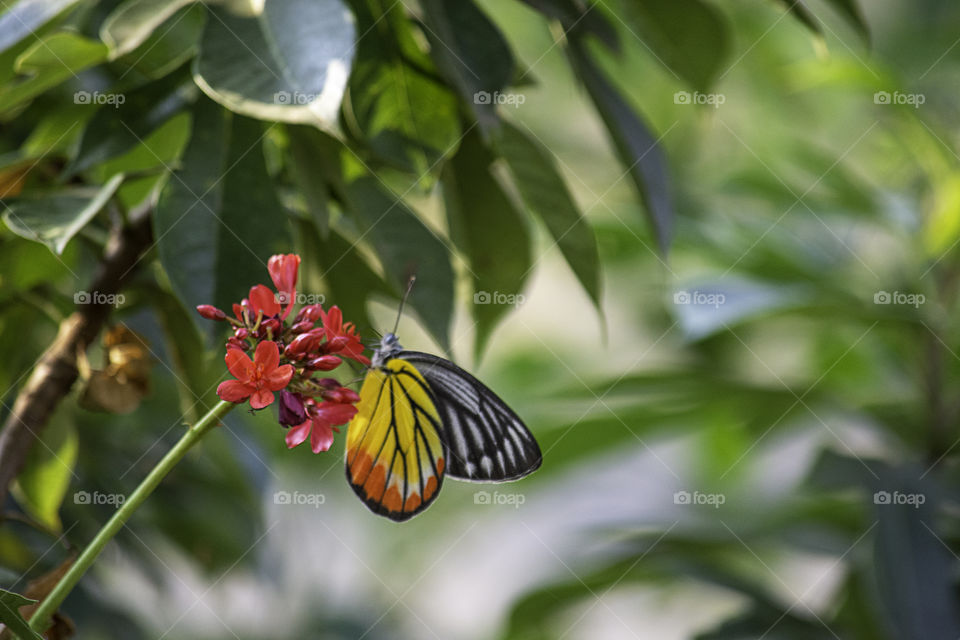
(403, 300)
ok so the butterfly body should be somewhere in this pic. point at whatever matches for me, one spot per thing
(421, 418)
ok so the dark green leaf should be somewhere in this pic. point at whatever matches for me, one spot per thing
(134, 21)
(55, 218)
(169, 46)
(470, 52)
(578, 19)
(218, 221)
(491, 231)
(10, 604)
(690, 37)
(545, 194)
(116, 130)
(47, 472)
(289, 62)
(638, 149)
(308, 168)
(406, 247)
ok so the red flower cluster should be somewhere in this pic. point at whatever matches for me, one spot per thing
(287, 355)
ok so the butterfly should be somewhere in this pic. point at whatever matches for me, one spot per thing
(421, 418)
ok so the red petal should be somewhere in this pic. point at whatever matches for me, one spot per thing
(279, 377)
(322, 437)
(336, 413)
(263, 299)
(239, 365)
(261, 398)
(234, 391)
(333, 323)
(267, 356)
(298, 434)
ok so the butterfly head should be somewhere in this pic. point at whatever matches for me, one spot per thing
(388, 348)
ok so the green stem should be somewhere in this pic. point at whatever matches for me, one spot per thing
(46, 609)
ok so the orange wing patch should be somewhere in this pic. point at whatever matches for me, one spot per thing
(395, 457)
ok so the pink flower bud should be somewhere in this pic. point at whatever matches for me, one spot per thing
(324, 363)
(210, 312)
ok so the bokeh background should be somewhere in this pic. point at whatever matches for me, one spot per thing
(752, 435)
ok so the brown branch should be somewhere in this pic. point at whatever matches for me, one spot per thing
(56, 371)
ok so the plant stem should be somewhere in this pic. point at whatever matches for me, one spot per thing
(47, 608)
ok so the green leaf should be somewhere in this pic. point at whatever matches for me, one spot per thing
(47, 63)
(545, 194)
(168, 47)
(289, 62)
(689, 37)
(54, 219)
(490, 230)
(47, 472)
(851, 11)
(25, 17)
(116, 130)
(218, 221)
(406, 247)
(579, 20)
(470, 52)
(639, 151)
(308, 166)
(10, 604)
(134, 21)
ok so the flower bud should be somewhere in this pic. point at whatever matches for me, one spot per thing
(210, 312)
(235, 343)
(302, 327)
(324, 363)
(241, 333)
(341, 395)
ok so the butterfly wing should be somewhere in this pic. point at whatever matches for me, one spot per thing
(486, 441)
(395, 453)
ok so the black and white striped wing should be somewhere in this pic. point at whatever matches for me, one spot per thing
(486, 440)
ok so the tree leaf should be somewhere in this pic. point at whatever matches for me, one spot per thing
(129, 25)
(10, 604)
(25, 17)
(47, 63)
(689, 37)
(851, 11)
(491, 232)
(54, 219)
(545, 194)
(471, 52)
(579, 19)
(406, 247)
(169, 46)
(47, 472)
(115, 130)
(216, 222)
(308, 167)
(638, 149)
(289, 62)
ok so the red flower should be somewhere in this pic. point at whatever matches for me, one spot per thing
(320, 424)
(256, 379)
(283, 271)
(341, 336)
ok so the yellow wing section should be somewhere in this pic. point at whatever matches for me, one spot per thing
(395, 455)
